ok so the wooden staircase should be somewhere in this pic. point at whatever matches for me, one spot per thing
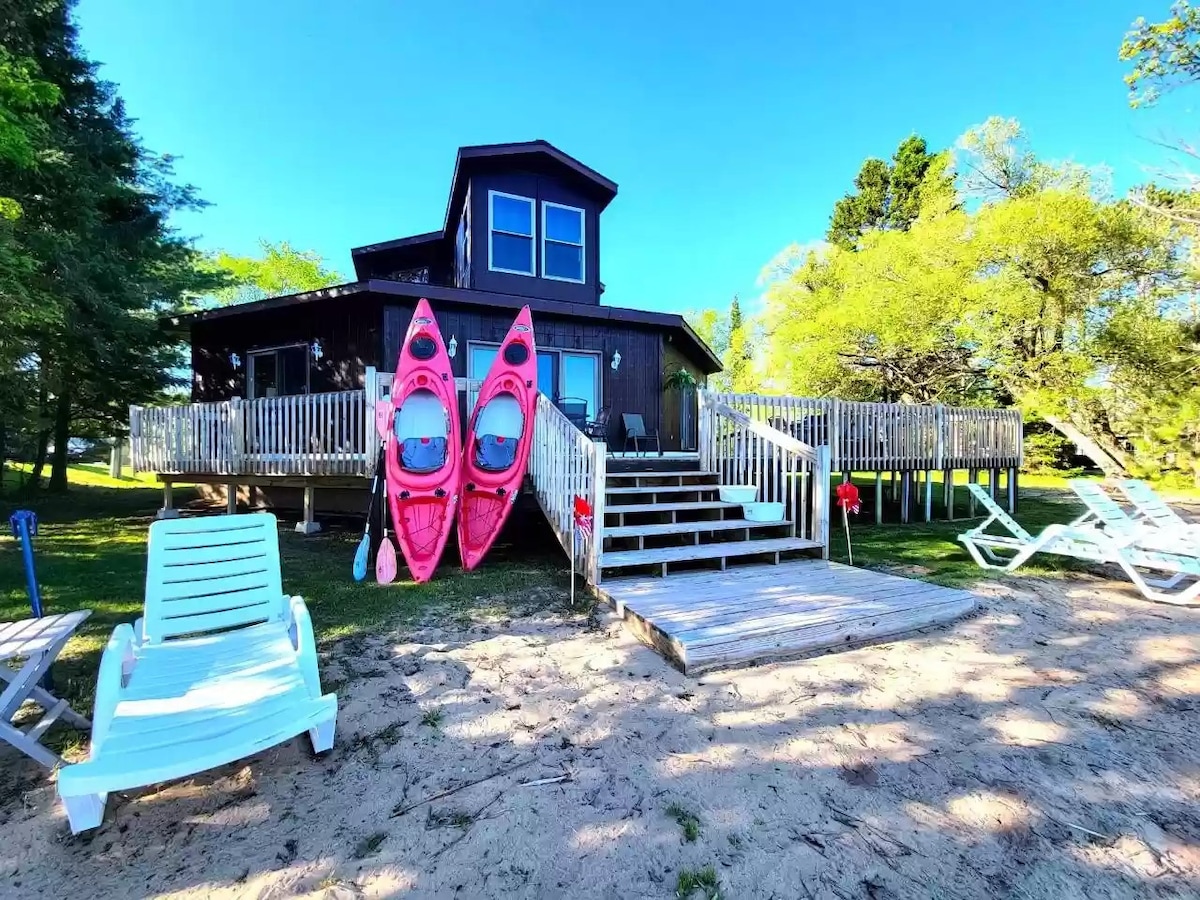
(667, 514)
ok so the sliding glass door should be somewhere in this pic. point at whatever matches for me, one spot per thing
(562, 374)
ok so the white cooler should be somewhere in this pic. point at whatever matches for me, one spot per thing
(763, 512)
(737, 493)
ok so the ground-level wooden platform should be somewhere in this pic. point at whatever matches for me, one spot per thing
(706, 620)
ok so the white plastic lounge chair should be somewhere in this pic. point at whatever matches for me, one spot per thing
(1152, 509)
(1133, 551)
(221, 666)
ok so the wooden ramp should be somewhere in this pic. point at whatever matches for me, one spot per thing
(705, 620)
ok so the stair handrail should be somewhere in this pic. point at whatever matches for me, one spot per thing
(784, 469)
(565, 463)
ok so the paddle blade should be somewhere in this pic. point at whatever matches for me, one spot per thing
(360, 557)
(385, 562)
(383, 419)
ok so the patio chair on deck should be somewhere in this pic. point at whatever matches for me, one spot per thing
(597, 429)
(221, 665)
(574, 409)
(635, 432)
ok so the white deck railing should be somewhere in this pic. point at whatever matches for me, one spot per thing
(564, 463)
(879, 437)
(745, 451)
(302, 434)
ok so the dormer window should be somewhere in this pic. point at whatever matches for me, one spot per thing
(510, 242)
(562, 242)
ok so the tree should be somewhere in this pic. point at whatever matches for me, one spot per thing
(102, 264)
(887, 195)
(1165, 55)
(1043, 294)
(281, 269)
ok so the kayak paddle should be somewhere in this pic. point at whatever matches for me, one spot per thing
(364, 546)
(385, 561)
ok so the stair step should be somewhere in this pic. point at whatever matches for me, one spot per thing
(686, 527)
(659, 489)
(720, 550)
(696, 473)
(693, 506)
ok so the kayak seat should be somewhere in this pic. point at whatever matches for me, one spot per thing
(421, 455)
(494, 453)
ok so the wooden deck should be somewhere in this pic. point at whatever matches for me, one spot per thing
(706, 620)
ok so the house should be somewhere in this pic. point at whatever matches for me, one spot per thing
(522, 225)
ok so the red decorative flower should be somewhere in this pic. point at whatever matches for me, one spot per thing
(847, 496)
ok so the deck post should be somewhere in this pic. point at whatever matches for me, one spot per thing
(928, 495)
(879, 498)
(905, 496)
(114, 459)
(820, 501)
(231, 499)
(972, 478)
(168, 511)
(1011, 484)
(948, 493)
(309, 525)
(600, 477)
(237, 436)
(252, 496)
(993, 478)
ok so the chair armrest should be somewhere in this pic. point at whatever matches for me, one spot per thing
(299, 623)
(116, 665)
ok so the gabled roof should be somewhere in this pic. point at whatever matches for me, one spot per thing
(693, 345)
(399, 243)
(472, 158)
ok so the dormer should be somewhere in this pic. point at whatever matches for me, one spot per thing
(522, 219)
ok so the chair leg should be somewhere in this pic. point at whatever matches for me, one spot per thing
(322, 735)
(85, 812)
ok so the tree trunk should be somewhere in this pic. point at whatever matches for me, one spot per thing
(62, 437)
(1110, 463)
(39, 458)
(3, 452)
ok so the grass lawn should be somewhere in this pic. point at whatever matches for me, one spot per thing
(91, 553)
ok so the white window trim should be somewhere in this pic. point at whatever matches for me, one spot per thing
(582, 245)
(532, 236)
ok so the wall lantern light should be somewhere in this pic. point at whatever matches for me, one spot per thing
(616, 360)
(235, 360)
(452, 347)
(317, 352)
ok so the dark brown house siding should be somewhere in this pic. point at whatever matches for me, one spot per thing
(634, 388)
(540, 188)
(349, 329)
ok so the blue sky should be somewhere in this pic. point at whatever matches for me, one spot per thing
(730, 128)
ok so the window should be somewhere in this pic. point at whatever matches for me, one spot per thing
(562, 374)
(562, 242)
(510, 245)
(277, 372)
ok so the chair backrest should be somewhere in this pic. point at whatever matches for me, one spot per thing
(1103, 507)
(1150, 505)
(602, 416)
(634, 426)
(996, 511)
(211, 574)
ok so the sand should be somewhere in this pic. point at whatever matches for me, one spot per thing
(1047, 747)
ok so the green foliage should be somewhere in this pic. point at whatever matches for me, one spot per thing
(888, 195)
(732, 338)
(1044, 292)
(281, 269)
(687, 820)
(1045, 450)
(1165, 55)
(698, 881)
(91, 263)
